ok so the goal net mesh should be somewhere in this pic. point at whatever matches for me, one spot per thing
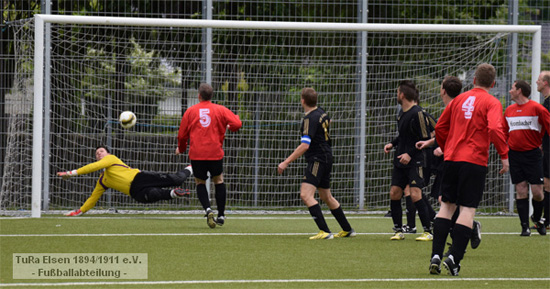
(98, 71)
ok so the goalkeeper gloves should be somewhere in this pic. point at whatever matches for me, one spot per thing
(74, 213)
(67, 174)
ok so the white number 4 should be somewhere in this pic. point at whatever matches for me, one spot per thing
(468, 107)
(204, 117)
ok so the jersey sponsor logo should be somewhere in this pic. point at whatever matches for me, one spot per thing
(523, 123)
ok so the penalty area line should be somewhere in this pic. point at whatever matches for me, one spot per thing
(176, 282)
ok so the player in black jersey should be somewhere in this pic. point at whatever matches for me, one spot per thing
(412, 126)
(316, 145)
(543, 86)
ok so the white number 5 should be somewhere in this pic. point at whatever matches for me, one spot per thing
(468, 107)
(204, 117)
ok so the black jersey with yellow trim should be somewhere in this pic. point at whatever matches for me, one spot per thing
(315, 132)
(412, 126)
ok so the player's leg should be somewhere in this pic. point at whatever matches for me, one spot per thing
(416, 183)
(147, 187)
(534, 173)
(221, 198)
(537, 201)
(470, 186)
(399, 181)
(337, 212)
(324, 172)
(416, 196)
(442, 222)
(396, 193)
(200, 171)
(442, 226)
(522, 204)
(410, 227)
(546, 174)
(546, 202)
(307, 194)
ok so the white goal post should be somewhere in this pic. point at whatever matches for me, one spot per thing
(40, 63)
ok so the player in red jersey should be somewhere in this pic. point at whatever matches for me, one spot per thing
(525, 123)
(464, 132)
(204, 125)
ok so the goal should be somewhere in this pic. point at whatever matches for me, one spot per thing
(89, 69)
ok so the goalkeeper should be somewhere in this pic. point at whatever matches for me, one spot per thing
(144, 187)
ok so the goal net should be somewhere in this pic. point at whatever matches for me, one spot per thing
(97, 67)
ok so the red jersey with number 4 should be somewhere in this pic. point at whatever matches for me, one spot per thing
(525, 125)
(204, 125)
(468, 125)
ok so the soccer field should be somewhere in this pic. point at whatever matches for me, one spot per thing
(270, 251)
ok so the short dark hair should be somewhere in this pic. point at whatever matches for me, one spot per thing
(206, 91)
(309, 95)
(452, 85)
(104, 147)
(408, 88)
(524, 86)
(485, 75)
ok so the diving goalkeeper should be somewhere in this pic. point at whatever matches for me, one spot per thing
(144, 187)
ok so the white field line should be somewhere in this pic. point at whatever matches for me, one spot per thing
(202, 234)
(365, 280)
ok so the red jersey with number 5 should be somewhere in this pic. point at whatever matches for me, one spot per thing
(468, 125)
(204, 125)
(525, 125)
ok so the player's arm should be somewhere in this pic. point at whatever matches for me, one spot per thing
(505, 126)
(422, 144)
(544, 119)
(442, 127)
(91, 201)
(105, 162)
(298, 152)
(496, 133)
(420, 129)
(183, 133)
(233, 121)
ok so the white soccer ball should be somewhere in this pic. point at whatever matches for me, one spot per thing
(127, 119)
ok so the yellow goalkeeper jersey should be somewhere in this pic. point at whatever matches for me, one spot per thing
(117, 175)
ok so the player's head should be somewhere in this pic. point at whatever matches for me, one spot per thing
(407, 88)
(543, 82)
(485, 75)
(101, 151)
(520, 88)
(451, 86)
(309, 96)
(206, 91)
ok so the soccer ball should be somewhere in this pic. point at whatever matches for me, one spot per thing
(127, 119)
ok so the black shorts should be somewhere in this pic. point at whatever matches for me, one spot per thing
(436, 186)
(526, 166)
(546, 165)
(413, 176)
(318, 174)
(463, 183)
(201, 169)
